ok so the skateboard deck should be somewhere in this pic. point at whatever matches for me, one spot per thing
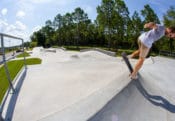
(125, 58)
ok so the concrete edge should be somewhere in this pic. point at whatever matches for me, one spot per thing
(103, 96)
(10, 101)
(110, 53)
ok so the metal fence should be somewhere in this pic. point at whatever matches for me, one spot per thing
(166, 53)
(4, 64)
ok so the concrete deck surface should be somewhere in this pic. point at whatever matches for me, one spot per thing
(81, 86)
(130, 105)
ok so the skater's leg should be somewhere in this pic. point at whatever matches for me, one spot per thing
(134, 54)
(137, 52)
(143, 53)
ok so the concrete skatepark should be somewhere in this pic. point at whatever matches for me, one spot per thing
(93, 86)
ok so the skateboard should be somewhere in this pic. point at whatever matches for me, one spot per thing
(125, 58)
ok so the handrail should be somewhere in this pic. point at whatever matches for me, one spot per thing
(10, 36)
(167, 53)
(4, 62)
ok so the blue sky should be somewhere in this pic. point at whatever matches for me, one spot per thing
(22, 17)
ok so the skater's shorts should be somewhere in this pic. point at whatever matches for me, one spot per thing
(143, 49)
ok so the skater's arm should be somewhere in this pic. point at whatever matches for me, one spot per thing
(150, 25)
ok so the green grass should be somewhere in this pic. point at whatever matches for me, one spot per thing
(14, 67)
(75, 48)
(119, 52)
(22, 55)
(33, 61)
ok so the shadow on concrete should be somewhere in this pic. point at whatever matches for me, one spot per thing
(154, 99)
(3, 104)
(14, 97)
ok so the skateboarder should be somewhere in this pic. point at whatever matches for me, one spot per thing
(145, 41)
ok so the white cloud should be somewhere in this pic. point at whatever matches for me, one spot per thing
(13, 28)
(33, 1)
(16, 29)
(26, 5)
(3, 24)
(20, 14)
(60, 2)
(37, 28)
(89, 9)
(160, 5)
(4, 11)
(20, 26)
(31, 12)
(41, 1)
(154, 2)
(63, 2)
(10, 29)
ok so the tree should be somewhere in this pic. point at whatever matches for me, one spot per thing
(122, 21)
(135, 27)
(39, 38)
(169, 20)
(149, 15)
(58, 23)
(80, 18)
(49, 23)
(66, 29)
(48, 32)
(33, 44)
(113, 27)
(105, 18)
(169, 17)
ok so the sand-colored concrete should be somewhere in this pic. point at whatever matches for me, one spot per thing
(81, 86)
(69, 86)
(158, 79)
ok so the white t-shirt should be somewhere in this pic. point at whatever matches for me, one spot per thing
(148, 38)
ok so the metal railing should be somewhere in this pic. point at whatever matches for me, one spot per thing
(4, 63)
(166, 53)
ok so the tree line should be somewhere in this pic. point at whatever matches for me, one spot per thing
(113, 27)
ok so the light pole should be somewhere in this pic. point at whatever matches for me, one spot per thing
(13, 50)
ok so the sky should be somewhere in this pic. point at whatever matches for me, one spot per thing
(22, 17)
